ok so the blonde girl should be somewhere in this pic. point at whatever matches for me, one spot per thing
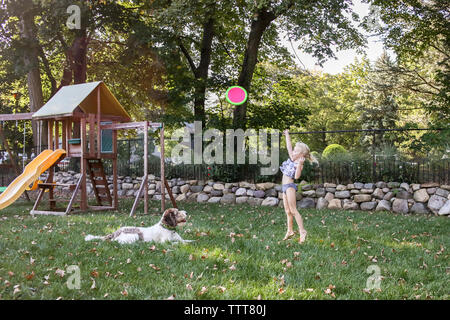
(292, 169)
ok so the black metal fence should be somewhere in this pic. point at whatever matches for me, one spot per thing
(369, 168)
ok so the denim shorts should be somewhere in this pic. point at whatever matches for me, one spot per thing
(284, 187)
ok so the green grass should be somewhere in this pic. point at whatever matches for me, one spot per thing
(411, 252)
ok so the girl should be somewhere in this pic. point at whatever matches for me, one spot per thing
(292, 169)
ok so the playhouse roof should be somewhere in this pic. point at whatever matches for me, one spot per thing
(69, 98)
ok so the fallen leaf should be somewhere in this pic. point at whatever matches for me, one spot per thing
(93, 284)
(124, 292)
(94, 273)
(189, 287)
(60, 272)
(172, 297)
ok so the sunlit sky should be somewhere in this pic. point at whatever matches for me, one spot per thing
(373, 51)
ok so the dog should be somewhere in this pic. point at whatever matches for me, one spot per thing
(162, 231)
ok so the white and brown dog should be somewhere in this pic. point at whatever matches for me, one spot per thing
(163, 231)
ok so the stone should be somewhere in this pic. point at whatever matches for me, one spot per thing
(240, 200)
(278, 187)
(335, 204)
(185, 188)
(322, 203)
(381, 184)
(329, 196)
(130, 193)
(298, 196)
(368, 206)
(355, 191)
(419, 208)
(386, 190)
(421, 195)
(193, 197)
(445, 187)
(265, 186)
(229, 198)
(217, 193)
(247, 185)
(333, 190)
(435, 203)
(431, 190)
(306, 203)
(270, 202)
(445, 209)
(359, 185)
(218, 186)
(271, 193)
(250, 192)
(259, 194)
(393, 185)
(127, 186)
(196, 189)
(368, 186)
(350, 186)
(342, 194)
(402, 194)
(404, 186)
(442, 192)
(214, 199)
(341, 187)
(415, 186)
(307, 187)
(383, 205)
(366, 191)
(309, 193)
(400, 206)
(350, 205)
(207, 189)
(320, 192)
(378, 193)
(224, 191)
(430, 185)
(254, 201)
(362, 198)
(233, 189)
(329, 185)
(202, 197)
(230, 186)
(388, 196)
(241, 192)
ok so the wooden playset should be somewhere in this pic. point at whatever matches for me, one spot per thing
(83, 121)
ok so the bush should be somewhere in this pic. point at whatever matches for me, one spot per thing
(333, 151)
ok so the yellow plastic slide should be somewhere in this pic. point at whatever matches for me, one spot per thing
(32, 171)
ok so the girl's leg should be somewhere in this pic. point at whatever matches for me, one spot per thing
(290, 219)
(292, 202)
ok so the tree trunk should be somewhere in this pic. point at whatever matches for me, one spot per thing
(34, 83)
(201, 73)
(257, 29)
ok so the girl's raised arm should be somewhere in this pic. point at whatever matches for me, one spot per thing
(288, 143)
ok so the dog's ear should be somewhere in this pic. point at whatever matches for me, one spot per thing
(169, 217)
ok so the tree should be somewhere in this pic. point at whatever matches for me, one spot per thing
(319, 25)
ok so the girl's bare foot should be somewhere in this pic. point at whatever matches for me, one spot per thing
(288, 235)
(302, 236)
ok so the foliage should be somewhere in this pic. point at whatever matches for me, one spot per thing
(333, 151)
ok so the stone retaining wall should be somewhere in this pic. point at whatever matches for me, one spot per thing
(429, 198)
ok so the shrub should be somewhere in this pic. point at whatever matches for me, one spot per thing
(333, 151)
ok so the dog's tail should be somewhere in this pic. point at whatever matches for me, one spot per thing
(90, 237)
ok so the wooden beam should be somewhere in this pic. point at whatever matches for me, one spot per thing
(136, 200)
(56, 143)
(16, 116)
(163, 194)
(145, 181)
(91, 120)
(50, 134)
(74, 195)
(130, 125)
(114, 164)
(98, 122)
(84, 202)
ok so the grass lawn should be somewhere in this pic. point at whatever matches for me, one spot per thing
(237, 255)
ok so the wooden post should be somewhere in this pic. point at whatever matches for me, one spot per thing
(114, 163)
(83, 204)
(51, 169)
(50, 134)
(56, 135)
(64, 135)
(163, 193)
(145, 181)
(98, 122)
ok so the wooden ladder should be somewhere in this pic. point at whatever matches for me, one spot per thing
(99, 181)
